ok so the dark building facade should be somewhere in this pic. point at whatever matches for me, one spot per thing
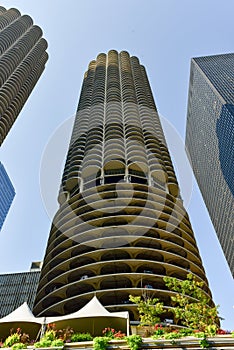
(7, 194)
(210, 141)
(121, 226)
(22, 61)
(16, 288)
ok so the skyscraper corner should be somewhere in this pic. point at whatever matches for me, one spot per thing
(22, 60)
(7, 194)
(210, 141)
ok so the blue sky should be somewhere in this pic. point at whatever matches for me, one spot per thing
(165, 35)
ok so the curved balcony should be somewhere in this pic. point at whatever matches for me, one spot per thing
(117, 152)
(115, 141)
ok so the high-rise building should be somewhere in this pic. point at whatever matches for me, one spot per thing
(7, 194)
(210, 141)
(121, 225)
(22, 61)
(16, 288)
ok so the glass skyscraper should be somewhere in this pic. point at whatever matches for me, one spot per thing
(121, 225)
(7, 194)
(16, 288)
(210, 141)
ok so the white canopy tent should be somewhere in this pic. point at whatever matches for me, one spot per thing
(23, 318)
(93, 318)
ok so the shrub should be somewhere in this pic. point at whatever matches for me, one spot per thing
(19, 346)
(43, 343)
(57, 342)
(211, 330)
(199, 334)
(185, 332)
(50, 335)
(172, 335)
(100, 343)
(48, 338)
(157, 336)
(11, 340)
(134, 341)
(204, 343)
(76, 337)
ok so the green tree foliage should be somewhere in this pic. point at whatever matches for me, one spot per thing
(149, 309)
(191, 305)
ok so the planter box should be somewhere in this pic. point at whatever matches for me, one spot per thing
(143, 331)
(48, 348)
(193, 343)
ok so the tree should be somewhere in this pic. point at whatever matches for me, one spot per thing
(191, 305)
(149, 309)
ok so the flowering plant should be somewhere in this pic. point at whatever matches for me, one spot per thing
(158, 329)
(65, 334)
(16, 337)
(112, 333)
(108, 332)
(119, 335)
(222, 331)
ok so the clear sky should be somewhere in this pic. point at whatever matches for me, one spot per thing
(165, 35)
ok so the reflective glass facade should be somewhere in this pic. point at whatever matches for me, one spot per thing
(210, 141)
(15, 289)
(7, 194)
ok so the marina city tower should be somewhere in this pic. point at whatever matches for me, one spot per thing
(121, 225)
(22, 60)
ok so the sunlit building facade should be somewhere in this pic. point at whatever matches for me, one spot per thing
(22, 61)
(210, 141)
(7, 194)
(121, 225)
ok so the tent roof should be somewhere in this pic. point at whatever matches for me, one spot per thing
(121, 314)
(22, 314)
(92, 309)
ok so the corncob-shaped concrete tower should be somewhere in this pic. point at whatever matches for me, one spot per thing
(121, 226)
(22, 61)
